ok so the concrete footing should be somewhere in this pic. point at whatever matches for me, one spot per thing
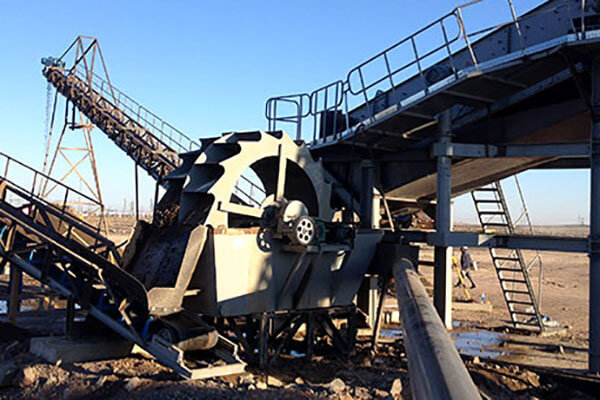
(54, 348)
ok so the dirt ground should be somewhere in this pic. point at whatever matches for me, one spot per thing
(504, 364)
(565, 290)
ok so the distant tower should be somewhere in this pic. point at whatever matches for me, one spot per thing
(72, 161)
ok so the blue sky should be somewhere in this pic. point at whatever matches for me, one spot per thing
(208, 67)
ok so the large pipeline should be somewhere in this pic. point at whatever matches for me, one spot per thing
(435, 367)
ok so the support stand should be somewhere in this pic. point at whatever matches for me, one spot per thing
(594, 249)
(442, 278)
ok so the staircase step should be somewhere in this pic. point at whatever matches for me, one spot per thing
(504, 225)
(513, 280)
(509, 270)
(487, 201)
(523, 303)
(516, 291)
(506, 258)
(486, 189)
(524, 313)
(483, 212)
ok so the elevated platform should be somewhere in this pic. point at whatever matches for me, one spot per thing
(520, 82)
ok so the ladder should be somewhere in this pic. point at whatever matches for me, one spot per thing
(511, 268)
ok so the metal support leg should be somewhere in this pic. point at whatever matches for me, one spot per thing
(594, 308)
(14, 302)
(351, 331)
(367, 298)
(70, 317)
(366, 195)
(380, 305)
(310, 336)
(137, 194)
(263, 349)
(15, 280)
(442, 276)
(376, 210)
(158, 181)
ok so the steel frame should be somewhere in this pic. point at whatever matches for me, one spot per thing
(273, 334)
(75, 157)
(65, 253)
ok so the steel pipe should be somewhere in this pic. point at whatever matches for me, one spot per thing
(435, 367)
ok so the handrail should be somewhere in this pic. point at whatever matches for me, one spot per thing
(9, 159)
(37, 177)
(355, 84)
(138, 113)
(418, 58)
(295, 99)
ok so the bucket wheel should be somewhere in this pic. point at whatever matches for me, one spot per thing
(291, 182)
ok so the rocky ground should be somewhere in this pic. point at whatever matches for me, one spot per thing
(510, 365)
(362, 376)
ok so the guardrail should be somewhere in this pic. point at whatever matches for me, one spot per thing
(165, 132)
(64, 200)
(330, 105)
(86, 54)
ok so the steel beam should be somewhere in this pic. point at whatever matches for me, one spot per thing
(524, 94)
(515, 151)
(594, 251)
(435, 367)
(442, 275)
(566, 163)
(524, 242)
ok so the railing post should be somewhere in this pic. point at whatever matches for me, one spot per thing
(454, 70)
(461, 24)
(364, 91)
(418, 60)
(275, 114)
(6, 167)
(517, 25)
(346, 107)
(390, 75)
(300, 107)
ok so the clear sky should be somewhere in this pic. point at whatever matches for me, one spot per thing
(208, 67)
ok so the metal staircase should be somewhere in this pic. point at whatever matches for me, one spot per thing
(511, 268)
(47, 239)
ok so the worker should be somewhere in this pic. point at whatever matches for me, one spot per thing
(466, 264)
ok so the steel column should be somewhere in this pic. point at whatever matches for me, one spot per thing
(442, 275)
(594, 248)
(15, 281)
(263, 341)
(70, 319)
(137, 193)
(366, 195)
